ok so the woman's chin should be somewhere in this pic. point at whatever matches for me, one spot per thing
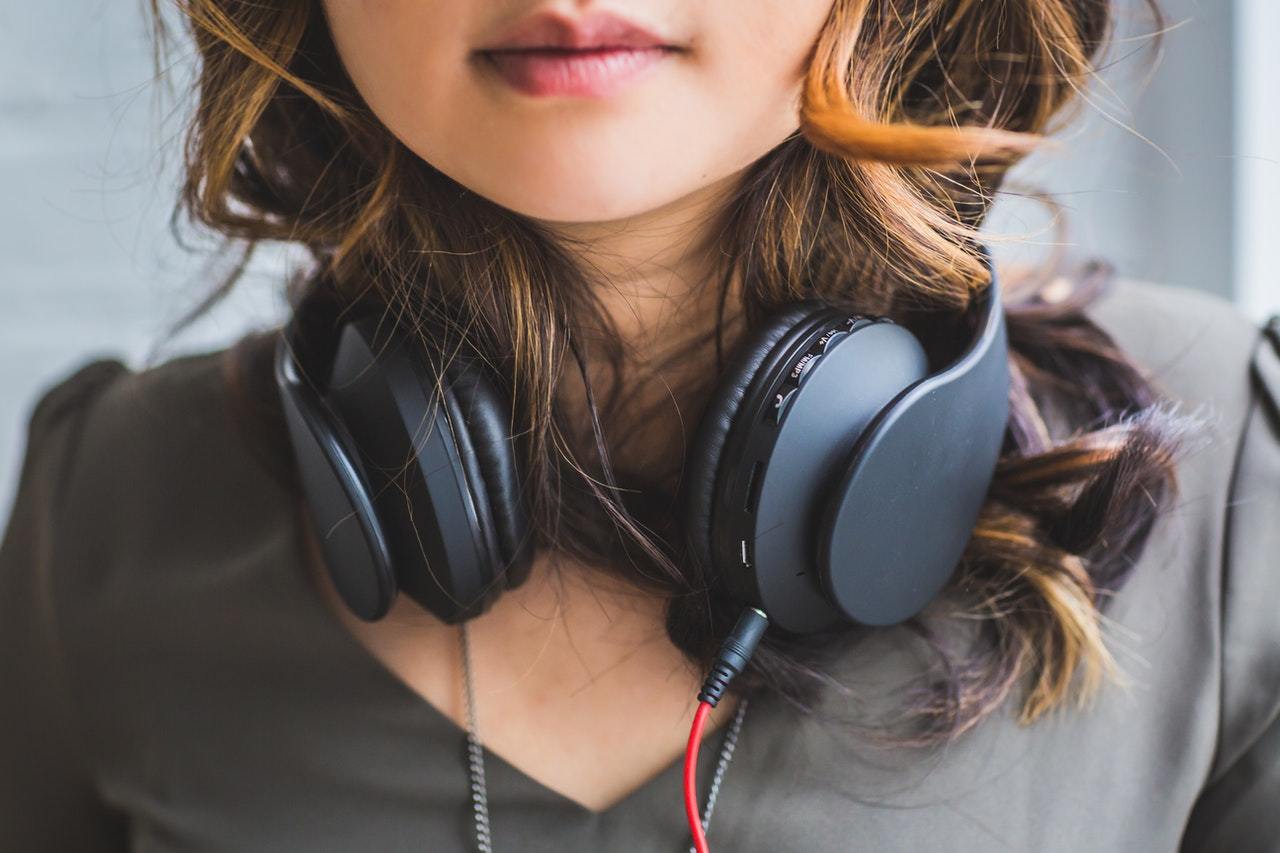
(581, 200)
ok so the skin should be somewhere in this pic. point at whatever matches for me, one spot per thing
(571, 665)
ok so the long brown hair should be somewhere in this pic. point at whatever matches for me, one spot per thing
(912, 113)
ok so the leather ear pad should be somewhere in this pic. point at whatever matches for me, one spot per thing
(486, 428)
(703, 460)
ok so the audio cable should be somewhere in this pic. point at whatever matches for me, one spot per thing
(731, 659)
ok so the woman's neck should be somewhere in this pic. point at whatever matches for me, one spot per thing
(654, 271)
(657, 279)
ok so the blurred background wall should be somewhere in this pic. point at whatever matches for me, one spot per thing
(1172, 171)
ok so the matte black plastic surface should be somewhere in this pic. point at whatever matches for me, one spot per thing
(912, 490)
(709, 463)
(420, 485)
(352, 541)
(838, 397)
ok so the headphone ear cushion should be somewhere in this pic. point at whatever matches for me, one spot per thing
(486, 416)
(703, 461)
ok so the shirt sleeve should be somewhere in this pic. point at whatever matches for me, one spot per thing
(1239, 808)
(48, 797)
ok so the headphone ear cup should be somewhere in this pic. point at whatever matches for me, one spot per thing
(429, 470)
(352, 539)
(723, 405)
(913, 487)
(776, 432)
(485, 418)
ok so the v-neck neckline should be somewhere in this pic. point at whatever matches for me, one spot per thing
(498, 768)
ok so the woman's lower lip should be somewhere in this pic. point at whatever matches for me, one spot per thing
(574, 72)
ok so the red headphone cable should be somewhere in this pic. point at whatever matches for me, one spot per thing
(735, 652)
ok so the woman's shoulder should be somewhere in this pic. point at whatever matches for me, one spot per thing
(134, 420)
(142, 520)
(1193, 628)
(1221, 550)
(120, 459)
(1220, 366)
(1215, 362)
(110, 398)
(149, 574)
(1196, 345)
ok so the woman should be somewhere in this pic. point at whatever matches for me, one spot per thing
(605, 208)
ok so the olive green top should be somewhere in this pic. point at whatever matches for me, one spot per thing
(171, 679)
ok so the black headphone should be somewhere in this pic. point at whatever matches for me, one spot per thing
(833, 478)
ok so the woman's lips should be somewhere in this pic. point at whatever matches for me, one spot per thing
(558, 71)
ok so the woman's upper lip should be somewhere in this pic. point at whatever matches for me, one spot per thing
(595, 30)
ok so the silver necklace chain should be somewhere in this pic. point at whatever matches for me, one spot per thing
(475, 753)
(475, 756)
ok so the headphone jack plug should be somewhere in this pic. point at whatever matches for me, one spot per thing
(734, 655)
